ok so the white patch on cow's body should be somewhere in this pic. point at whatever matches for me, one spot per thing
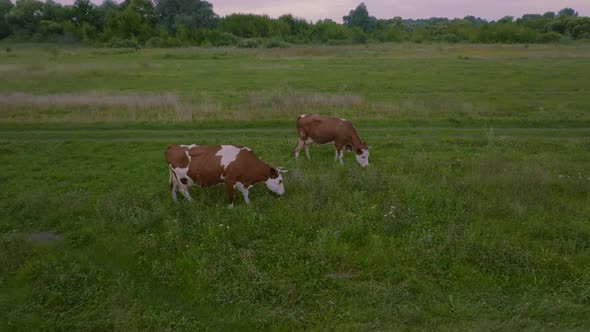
(343, 119)
(302, 116)
(276, 185)
(244, 190)
(228, 154)
(363, 158)
(328, 143)
(188, 146)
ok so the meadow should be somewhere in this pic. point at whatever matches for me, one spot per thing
(472, 216)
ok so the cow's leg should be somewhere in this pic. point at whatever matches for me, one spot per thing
(244, 191)
(229, 189)
(339, 152)
(300, 144)
(174, 198)
(184, 192)
(307, 145)
(336, 153)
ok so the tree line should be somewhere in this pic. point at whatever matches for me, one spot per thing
(175, 23)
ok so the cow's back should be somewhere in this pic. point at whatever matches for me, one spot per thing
(205, 169)
(322, 129)
(204, 166)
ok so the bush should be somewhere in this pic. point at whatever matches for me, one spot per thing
(275, 43)
(173, 42)
(359, 36)
(154, 42)
(218, 38)
(117, 42)
(336, 42)
(248, 43)
(549, 37)
(451, 38)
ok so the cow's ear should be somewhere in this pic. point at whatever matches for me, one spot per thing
(359, 151)
(274, 173)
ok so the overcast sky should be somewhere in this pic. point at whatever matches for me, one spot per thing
(335, 9)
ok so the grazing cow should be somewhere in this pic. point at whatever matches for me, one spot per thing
(330, 130)
(235, 166)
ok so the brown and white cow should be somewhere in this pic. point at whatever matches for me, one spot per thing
(235, 166)
(330, 130)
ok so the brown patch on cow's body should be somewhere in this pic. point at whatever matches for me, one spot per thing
(205, 168)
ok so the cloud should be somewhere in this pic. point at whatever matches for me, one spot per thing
(335, 9)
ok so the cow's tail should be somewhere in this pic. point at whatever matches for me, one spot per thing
(299, 133)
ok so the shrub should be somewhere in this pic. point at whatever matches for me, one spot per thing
(154, 42)
(549, 37)
(172, 42)
(336, 42)
(117, 42)
(218, 38)
(359, 36)
(248, 43)
(275, 43)
(206, 43)
(451, 38)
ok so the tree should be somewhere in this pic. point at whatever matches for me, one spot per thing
(359, 17)
(328, 30)
(5, 8)
(107, 7)
(567, 12)
(135, 20)
(506, 19)
(54, 11)
(297, 26)
(189, 13)
(25, 17)
(579, 27)
(535, 21)
(84, 11)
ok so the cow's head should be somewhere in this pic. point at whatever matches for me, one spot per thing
(275, 181)
(362, 154)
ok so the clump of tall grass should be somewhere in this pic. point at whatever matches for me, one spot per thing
(87, 99)
(291, 99)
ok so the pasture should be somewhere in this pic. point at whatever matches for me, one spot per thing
(472, 216)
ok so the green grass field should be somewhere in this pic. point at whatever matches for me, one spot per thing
(474, 213)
